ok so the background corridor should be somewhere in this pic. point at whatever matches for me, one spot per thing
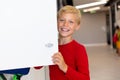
(104, 63)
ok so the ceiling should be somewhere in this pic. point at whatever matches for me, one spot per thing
(81, 2)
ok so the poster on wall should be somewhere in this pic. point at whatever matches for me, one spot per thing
(28, 33)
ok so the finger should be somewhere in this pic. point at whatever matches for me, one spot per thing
(56, 61)
(56, 55)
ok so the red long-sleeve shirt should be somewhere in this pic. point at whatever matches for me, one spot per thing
(76, 58)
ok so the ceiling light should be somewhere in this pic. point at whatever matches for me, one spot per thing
(91, 9)
(119, 7)
(91, 4)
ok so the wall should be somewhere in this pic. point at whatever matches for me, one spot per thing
(92, 30)
(118, 17)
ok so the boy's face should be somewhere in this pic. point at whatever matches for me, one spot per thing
(67, 24)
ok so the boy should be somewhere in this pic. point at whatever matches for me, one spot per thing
(71, 62)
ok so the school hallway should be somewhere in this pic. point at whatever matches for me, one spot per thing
(104, 63)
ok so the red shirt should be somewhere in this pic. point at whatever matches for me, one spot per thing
(76, 58)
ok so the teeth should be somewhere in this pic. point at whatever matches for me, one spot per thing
(64, 29)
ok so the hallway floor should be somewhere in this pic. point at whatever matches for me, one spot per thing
(104, 63)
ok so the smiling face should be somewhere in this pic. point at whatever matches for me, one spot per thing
(67, 24)
(68, 18)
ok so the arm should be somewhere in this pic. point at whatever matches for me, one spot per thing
(82, 71)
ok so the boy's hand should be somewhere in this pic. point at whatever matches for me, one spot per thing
(58, 59)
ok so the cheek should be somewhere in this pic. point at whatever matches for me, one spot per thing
(58, 27)
(74, 28)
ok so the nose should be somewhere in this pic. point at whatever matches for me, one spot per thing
(66, 24)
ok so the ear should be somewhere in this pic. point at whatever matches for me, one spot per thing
(77, 27)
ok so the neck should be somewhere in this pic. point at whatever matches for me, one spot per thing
(63, 41)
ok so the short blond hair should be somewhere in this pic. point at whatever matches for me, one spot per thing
(70, 9)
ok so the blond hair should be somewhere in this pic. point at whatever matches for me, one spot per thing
(70, 9)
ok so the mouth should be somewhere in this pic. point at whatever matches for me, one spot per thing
(65, 29)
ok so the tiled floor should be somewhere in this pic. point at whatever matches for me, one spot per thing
(104, 63)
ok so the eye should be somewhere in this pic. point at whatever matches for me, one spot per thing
(61, 20)
(71, 22)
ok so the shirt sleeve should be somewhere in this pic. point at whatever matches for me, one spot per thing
(82, 68)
